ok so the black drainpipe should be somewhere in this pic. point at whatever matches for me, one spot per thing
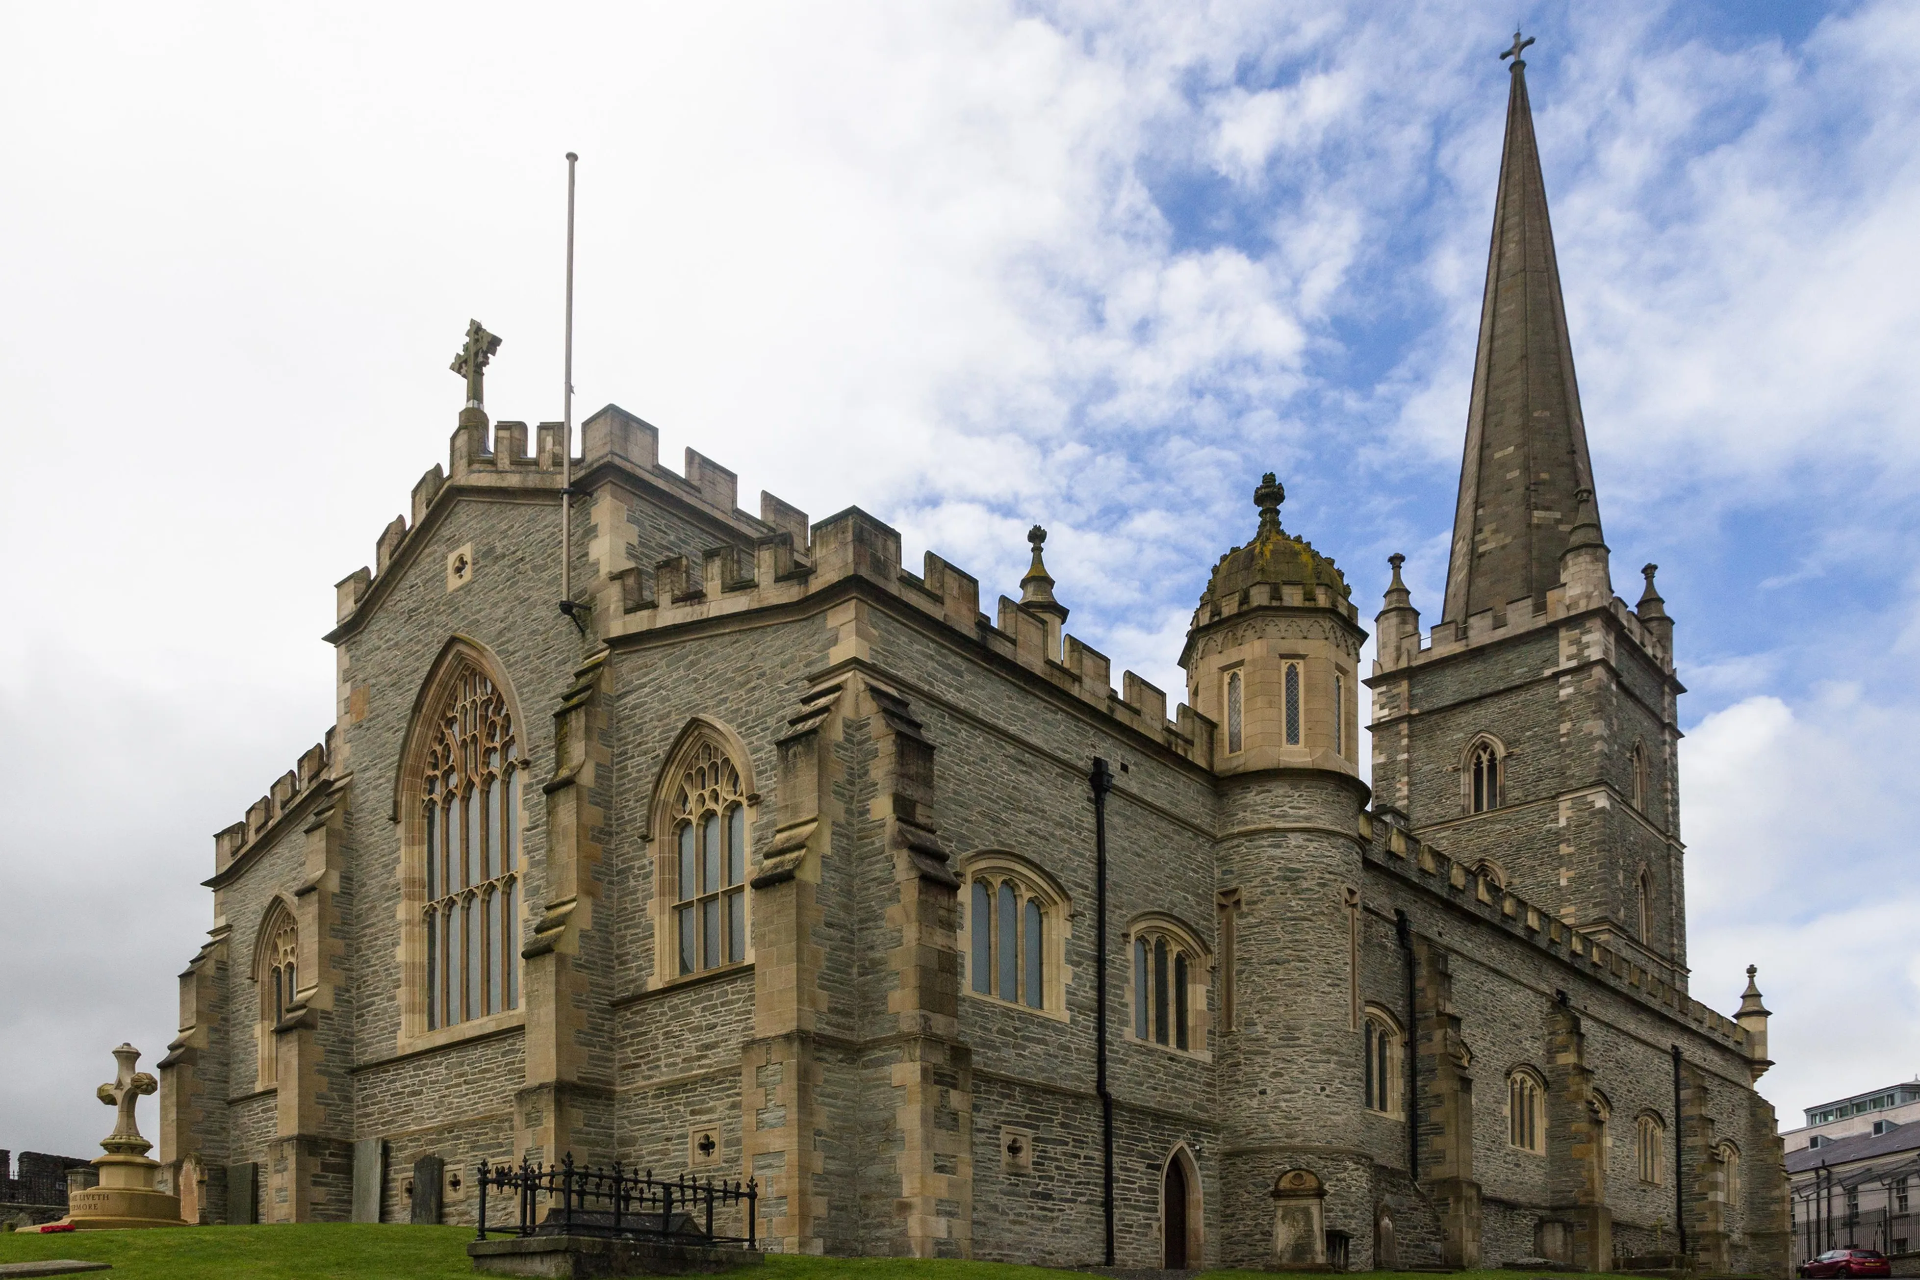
(1102, 782)
(1679, 1159)
(1403, 927)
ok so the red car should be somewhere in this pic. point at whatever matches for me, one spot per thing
(1847, 1262)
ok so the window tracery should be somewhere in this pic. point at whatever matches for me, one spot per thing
(1485, 770)
(470, 794)
(1526, 1111)
(707, 867)
(276, 970)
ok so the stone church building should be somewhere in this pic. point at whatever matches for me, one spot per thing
(767, 855)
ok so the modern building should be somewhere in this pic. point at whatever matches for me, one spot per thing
(728, 843)
(1872, 1113)
(1858, 1192)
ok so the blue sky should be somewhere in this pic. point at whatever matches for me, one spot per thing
(969, 267)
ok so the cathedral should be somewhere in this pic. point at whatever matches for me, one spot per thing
(652, 830)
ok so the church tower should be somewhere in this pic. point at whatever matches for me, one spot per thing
(1535, 728)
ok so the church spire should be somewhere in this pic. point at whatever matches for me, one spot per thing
(1526, 454)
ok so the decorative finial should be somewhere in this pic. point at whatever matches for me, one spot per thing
(1647, 571)
(1036, 537)
(1036, 589)
(1268, 498)
(1396, 560)
(471, 363)
(1514, 53)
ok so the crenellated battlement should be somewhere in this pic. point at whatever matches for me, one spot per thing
(1478, 889)
(779, 569)
(1406, 646)
(265, 814)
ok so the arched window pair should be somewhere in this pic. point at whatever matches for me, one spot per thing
(1651, 1144)
(276, 971)
(710, 861)
(1169, 985)
(470, 794)
(1527, 1111)
(1014, 924)
(1384, 1050)
(1485, 770)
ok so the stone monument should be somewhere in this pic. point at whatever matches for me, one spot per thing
(126, 1195)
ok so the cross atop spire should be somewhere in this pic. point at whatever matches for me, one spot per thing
(1526, 453)
(471, 363)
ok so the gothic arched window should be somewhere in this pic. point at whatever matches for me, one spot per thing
(1526, 1111)
(1015, 928)
(1729, 1156)
(705, 873)
(1484, 780)
(276, 970)
(1170, 979)
(470, 793)
(1291, 685)
(1651, 1135)
(1383, 1053)
(1637, 779)
(1643, 905)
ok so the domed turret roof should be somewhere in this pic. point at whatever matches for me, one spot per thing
(1275, 556)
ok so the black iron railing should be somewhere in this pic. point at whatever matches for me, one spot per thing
(565, 1199)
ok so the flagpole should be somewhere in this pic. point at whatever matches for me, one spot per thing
(566, 430)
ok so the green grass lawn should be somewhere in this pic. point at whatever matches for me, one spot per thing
(341, 1252)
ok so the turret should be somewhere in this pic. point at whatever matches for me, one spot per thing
(1652, 612)
(1396, 627)
(1273, 654)
(1583, 565)
(1036, 593)
(1752, 1018)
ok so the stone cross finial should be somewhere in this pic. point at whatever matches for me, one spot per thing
(128, 1087)
(1514, 53)
(471, 363)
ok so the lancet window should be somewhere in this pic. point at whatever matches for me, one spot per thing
(1637, 768)
(1526, 1111)
(276, 967)
(1290, 683)
(471, 796)
(1170, 975)
(1484, 770)
(707, 868)
(1383, 1049)
(1339, 715)
(1236, 711)
(1730, 1172)
(1643, 905)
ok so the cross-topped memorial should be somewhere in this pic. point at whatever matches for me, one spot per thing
(125, 1092)
(471, 363)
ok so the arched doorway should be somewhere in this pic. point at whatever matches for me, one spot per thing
(1173, 1216)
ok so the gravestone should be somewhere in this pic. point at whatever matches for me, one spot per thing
(243, 1195)
(429, 1172)
(1299, 1221)
(369, 1178)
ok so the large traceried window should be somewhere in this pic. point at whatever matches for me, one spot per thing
(709, 862)
(276, 970)
(1484, 769)
(1526, 1111)
(1015, 924)
(471, 794)
(1170, 978)
(1384, 1051)
(1651, 1134)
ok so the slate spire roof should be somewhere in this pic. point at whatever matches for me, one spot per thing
(1526, 455)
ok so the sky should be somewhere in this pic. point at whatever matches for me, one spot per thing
(969, 266)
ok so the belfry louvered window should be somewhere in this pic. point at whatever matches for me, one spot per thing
(472, 796)
(1483, 783)
(710, 863)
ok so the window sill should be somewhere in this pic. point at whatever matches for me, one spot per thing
(998, 1003)
(1386, 1115)
(682, 982)
(472, 1029)
(1184, 1055)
